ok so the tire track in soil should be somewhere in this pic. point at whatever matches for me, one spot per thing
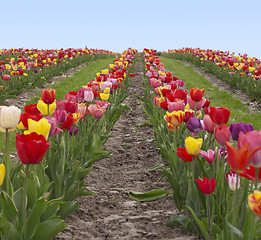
(111, 214)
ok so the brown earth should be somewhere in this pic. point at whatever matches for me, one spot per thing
(111, 214)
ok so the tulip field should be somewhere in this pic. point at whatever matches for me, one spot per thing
(132, 154)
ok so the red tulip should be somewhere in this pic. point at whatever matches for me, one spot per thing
(70, 107)
(32, 108)
(219, 115)
(222, 134)
(206, 186)
(182, 154)
(68, 123)
(196, 94)
(208, 124)
(25, 116)
(250, 173)
(48, 96)
(31, 148)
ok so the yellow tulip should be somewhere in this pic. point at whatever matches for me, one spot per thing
(9, 118)
(42, 107)
(2, 173)
(105, 71)
(76, 118)
(111, 65)
(104, 96)
(107, 90)
(193, 145)
(175, 118)
(41, 127)
(254, 202)
(7, 66)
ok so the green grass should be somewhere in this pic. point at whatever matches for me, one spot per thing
(239, 111)
(73, 83)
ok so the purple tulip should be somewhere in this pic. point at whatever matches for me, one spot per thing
(194, 124)
(73, 130)
(236, 128)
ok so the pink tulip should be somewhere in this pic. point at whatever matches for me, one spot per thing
(6, 77)
(60, 115)
(96, 110)
(209, 155)
(148, 74)
(222, 134)
(208, 124)
(105, 85)
(192, 103)
(88, 96)
(102, 103)
(71, 98)
(54, 129)
(60, 105)
(176, 106)
(254, 138)
(82, 111)
(155, 82)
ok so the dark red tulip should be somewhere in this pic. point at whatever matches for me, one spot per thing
(69, 122)
(48, 96)
(219, 115)
(196, 94)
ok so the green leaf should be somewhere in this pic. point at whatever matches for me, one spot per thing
(148, 196)
(9, 209)
(31, 191)
(155, 167)
(33, 218)
(235, 230)
(179, 220)
(18, 200)
(8, 230)
(200, 224)
(48, 229)
(51, 210)
(66, 208)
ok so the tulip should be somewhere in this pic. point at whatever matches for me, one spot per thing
(209, 155)
(82, 111)
(208, 124)
(254, 202)
(175, 118)
(155, 82)
(32, 108)
(233, 180)
(76, 118)
(194, 124)
(104, 96)
(188, 114)
(176, 106)
(48, 96)
(60, 115)
(250, 173)
(102, 103)
(254, 139)
(71, 97)
(222, 134)
(60, 105)
(23, 124)
(43, 108)
(68, 123)
(196, 94)
(41, 127)
(236, 128)
(73, 131)
(70, 107)
(2, 173)
(192, 104)
(96, 110)
(54, 129)
(206, 186)
(219, 115)
(9, 118)
(193, 146)
(31, 148)
(6, 77)
(183, 155)
(88, 96)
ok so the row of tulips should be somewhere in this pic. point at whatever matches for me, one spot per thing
(239, 71)
(24, 68)
(215, 184)
(57, 143)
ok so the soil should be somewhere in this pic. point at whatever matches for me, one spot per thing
(111, 214)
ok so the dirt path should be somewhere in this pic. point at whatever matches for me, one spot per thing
(111, 214)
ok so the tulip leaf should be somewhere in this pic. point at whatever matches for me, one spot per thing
(148, 196)
(18, 200)
(31, 191)
(66, 208)
(83, 172)
(9, 209)
(8, 230)
(179, 220)
(33, 218)
(48, 229)
(200, 224)
(155, 167)
(52, 207)
(235, 230)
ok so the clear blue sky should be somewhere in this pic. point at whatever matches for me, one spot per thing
(116, 25)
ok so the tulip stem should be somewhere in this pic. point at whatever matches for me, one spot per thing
(48, 109)
(195, 110)
(234, 218)
(7, 161)
(208, 212)
(24, 200)
(256, 178)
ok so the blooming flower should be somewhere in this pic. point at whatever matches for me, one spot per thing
(236, 128)
(206, 186)
(232, 180)
(96, 110)
(222, 134)
(31, 148)
(219, 115)
(196, 94)
(42, 107)
(193, 146)
(175, 118)
(9, 118)
(194, 124)
(48, 96)
(209, 155)
(40, 127)
(254, 202)
(182, 154)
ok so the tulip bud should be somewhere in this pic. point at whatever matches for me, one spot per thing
(9, 118)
